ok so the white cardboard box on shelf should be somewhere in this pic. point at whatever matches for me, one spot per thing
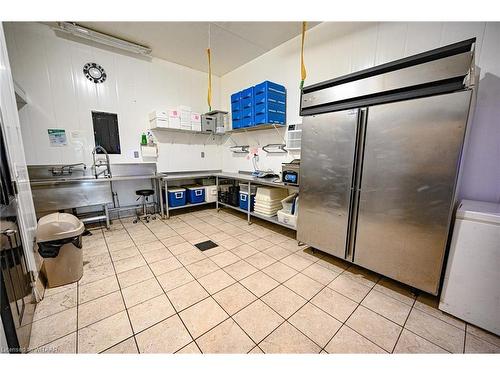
(196, 127)
(163, 115)
(158, 123)
(174, 119)
(185, 116)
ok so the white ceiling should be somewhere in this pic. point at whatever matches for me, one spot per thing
(232, 43)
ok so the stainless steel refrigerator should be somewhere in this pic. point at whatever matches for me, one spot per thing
(380, 157)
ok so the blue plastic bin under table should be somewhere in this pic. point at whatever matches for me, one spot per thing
(244, 201)
(176, 197)
(195, 194)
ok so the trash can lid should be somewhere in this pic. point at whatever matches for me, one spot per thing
(58, 226)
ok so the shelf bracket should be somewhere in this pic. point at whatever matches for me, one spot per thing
(279, 148)
(240, 149)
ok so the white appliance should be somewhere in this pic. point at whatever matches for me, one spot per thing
(471, 287)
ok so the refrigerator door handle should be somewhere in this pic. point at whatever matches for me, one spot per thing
(356, 183)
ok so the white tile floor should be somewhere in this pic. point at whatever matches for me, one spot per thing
(147, 289)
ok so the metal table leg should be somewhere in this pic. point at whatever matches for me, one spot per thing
(160, 183)
(249, 197)
(166, 200)
(217, 187)
(106, 212)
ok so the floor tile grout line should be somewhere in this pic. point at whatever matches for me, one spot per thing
(481, 338)
(118, 343)
(438, 318)
(77, 310)
(123, 300)
(165, 293)
(403, 325)
(424, 338)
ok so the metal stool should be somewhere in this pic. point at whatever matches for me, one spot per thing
(144, 194)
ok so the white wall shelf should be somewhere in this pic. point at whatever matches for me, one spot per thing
(186, 131)
(257, 127)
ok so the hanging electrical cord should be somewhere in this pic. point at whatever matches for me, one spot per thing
(209, 95)
(303, 72)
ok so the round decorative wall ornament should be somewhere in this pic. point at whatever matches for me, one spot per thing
(94, 72)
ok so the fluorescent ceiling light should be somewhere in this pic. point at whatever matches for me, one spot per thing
(95, 36)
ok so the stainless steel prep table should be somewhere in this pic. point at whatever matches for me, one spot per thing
(164, 178)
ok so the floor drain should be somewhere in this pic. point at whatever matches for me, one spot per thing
(206, 245)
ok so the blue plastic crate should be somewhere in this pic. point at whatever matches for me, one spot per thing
(247, 118)
(236, 115)
(270, 97)
(246, 103)
(269, 117)
(247, 93)
(176, 197)
(247, 122)
(268, 86)
(236, 124)
(269, 107)
(236, 97)
(244, 201)
(236, 106)
(195, 194)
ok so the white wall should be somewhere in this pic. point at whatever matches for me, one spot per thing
(49, 68)
(335, 49)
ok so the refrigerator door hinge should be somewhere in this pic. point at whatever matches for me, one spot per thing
(15, 188)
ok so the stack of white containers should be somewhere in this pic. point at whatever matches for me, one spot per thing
(165, 119)
(185, 113)
(196, 121)
(158, 119)
(268, 200)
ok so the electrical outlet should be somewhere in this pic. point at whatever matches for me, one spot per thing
(202, 154)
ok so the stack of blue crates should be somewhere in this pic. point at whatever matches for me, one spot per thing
(264, 103)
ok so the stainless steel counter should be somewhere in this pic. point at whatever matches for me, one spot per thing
(79, 187)
(231, 175)
(256, 180)
(165, 178)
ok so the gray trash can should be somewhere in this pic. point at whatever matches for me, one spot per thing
(59, 238)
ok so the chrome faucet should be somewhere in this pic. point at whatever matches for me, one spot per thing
(101, 162)
(59, 171)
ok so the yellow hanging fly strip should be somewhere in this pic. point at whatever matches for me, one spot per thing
(209, 96)
(303, 72)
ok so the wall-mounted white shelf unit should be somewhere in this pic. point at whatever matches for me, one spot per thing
(257, 127)
(148, 151)
(186, 131)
